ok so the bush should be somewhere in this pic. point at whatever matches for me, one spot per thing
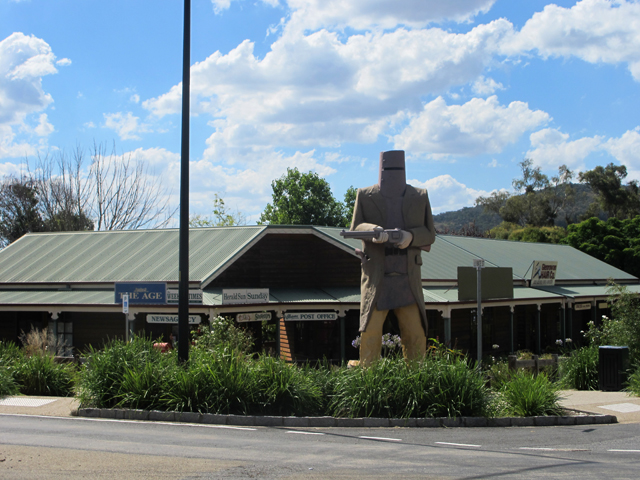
(634, 382)
(393, 388)
(8, 385)
(100, 383)
(40, 375)
(222, 333)
(580, 370)
(527, 395)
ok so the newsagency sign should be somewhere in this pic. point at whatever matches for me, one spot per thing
(543, 273)
(310, 316)
(154, 293)
(244, 296)
(162, 318)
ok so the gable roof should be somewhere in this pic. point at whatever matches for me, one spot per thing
(152, 255)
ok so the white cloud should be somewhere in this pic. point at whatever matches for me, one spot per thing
(364, 14)
(476, 127)
(44, 128)
(447, 194)
(552, 148)
(63, 62)
(220, 5)
(597, 31)
(317, 90)
(135, 98)
(625, 149)
(126, 125)
(24, 60)
(486, 86)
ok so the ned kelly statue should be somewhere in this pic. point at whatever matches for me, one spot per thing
(395, 224)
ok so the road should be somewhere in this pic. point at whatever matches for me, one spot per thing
(55, 448)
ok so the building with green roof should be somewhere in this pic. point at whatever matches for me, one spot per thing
(306, 286)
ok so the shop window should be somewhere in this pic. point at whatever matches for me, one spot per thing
(65, 338)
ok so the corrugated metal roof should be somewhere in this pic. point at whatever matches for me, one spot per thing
(572, 263)
(56, 297)
(581, 291)
(131, 255)
(450, 295)
(152, 255)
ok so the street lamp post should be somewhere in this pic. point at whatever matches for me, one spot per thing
(183, 260)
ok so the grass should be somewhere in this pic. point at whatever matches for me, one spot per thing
(227, 381)
(580, 370)
(526, 395)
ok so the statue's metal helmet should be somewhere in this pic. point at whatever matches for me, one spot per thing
(392, 179)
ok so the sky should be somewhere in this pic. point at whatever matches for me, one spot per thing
(467, 88)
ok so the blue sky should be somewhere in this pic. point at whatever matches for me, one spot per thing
(468, 88)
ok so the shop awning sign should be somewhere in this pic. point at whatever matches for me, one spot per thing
(582, 306)
(310, 316)
(244, 296)
(163, 318)
(195, 296)
(253, 317)
(543, 273)
(154, 293)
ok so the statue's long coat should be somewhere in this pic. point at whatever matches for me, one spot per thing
(370, 212)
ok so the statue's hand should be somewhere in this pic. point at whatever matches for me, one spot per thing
(382, 238)
(407, 237)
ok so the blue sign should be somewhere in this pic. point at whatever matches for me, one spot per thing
(142, 293)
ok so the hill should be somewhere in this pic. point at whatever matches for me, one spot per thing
(449, 222)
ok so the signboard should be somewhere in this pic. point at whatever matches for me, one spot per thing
(162, 318)
(543, 273)
(582, 306)
(244, 296)
(142, 293)
(195, 296)
(603, 305)
(253, 317)
(478, 263)
(125, 303)
(310, 316)
(497, 282)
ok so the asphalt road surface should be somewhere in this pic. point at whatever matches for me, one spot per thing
(54, 448)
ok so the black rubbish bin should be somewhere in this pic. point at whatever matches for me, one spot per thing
(613, 363)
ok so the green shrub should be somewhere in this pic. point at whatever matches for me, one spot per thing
(8, 385)
(580, 370)
(222, 333)
(280, 388)
(40, 375)
(100, 380)
(527, 395)
(393, 388)
(634, 382)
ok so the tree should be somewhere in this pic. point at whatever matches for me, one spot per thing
(614, 241)
(61, 193)
(616, 199)
(221, 216)
(349, 204)
(536, 200)
(19, 213)
(303, 199)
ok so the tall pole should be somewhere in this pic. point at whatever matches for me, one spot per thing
(479, 265)
(183, 263)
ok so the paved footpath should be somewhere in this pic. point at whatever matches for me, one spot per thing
(621, 404)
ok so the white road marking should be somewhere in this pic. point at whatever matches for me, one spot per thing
(621, 450)
(547, 449)
(305, 433)
(146, 422)
(382, 438)
(458, 444)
